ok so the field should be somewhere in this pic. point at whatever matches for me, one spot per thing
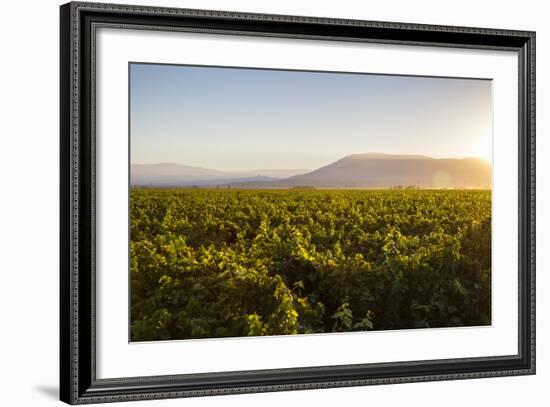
(220, 263)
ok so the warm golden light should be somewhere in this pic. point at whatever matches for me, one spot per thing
(483, 145)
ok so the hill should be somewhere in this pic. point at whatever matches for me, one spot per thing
(383, 170)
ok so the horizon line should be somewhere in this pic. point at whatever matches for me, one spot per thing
(309, 169)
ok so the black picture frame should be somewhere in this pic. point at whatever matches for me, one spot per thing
(78, 382)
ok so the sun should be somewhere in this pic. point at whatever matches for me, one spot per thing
(486, 154)
(483, 145)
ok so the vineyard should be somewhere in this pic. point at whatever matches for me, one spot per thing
(221, 263)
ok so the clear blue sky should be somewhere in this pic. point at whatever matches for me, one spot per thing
(244, 119)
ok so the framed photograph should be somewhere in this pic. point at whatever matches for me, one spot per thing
(255, 203)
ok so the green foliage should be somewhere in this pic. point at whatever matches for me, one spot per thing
(219, 263)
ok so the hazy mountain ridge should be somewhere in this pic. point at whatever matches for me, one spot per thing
(171, 174)
(375, 171)
(371, 170)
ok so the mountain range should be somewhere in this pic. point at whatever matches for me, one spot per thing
(174, 175)
(371, 170)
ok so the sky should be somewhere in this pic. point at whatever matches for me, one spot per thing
(236, 119)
